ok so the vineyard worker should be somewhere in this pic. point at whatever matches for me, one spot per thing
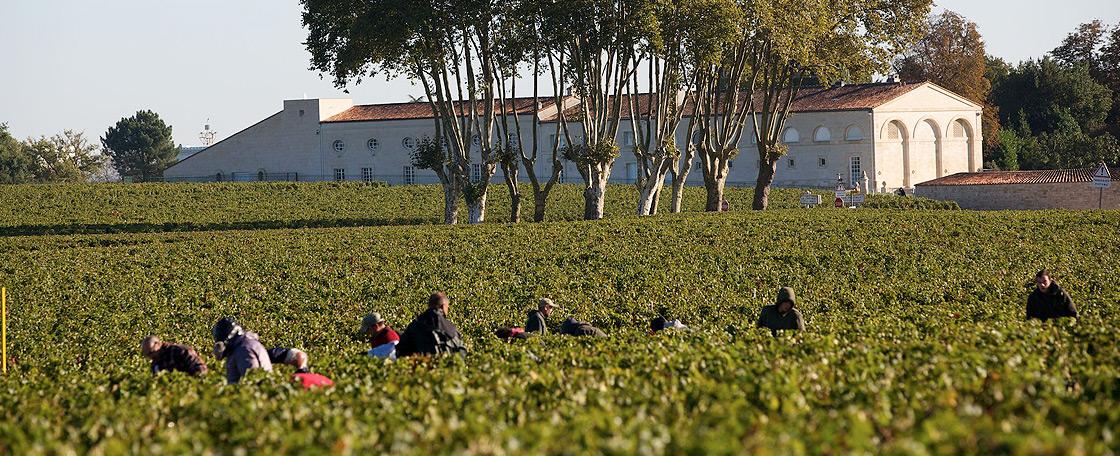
(431, 332)
(538, 318)
(383, 340)
(241, 350)
(573, 327)
(291, 356)
(172, 357)
(782, 314)
(661, 323)
(1048, 300)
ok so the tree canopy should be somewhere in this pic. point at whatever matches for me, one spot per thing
(140, 146)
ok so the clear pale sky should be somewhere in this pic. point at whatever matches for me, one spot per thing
(84, 64)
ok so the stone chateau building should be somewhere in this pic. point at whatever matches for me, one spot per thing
(897, 134)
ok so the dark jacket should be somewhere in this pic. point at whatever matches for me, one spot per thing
(773, 320)
(242, 353)
(175, 357)
(536, 323)
(1052, 303)
(430, 333)
(573, 327)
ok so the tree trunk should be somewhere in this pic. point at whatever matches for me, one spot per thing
(515, 207)
(714, 186)
(450, 206)
(649, 193)
(762, 186)
(678, 196)
(476, 210)
(539, 201)
(593, 198)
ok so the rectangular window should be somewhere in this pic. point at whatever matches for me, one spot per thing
(856, 171)
(791, 163)
(367, 175)
(476, 172)
(821, 162)
(409, 175)
(627, 138)
(339, 174)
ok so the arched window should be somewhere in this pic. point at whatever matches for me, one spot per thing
(822, 134)
(260, 175)
(409, 143)
(218, 177)
(697, 136)
(853, 133)
(338, 145)
(373, 144)
(791, 136)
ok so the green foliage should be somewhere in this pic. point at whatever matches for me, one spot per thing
(584, 154)
(1043, 94)
(66, 157)
(17, 166)
(891, 201)
(916, 342)
(429, 155)
(140, 146)
(89, 208)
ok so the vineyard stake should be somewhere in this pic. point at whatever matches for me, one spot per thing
(4, 328)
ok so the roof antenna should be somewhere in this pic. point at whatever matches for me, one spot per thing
(206, 136)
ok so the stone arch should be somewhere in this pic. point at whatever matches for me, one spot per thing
(926, 158)
(853, 133)
(791, 136)
(822, 134)
(895, 137)
(960, 129)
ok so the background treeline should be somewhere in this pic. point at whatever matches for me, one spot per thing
(137, 147)
(1059, 111)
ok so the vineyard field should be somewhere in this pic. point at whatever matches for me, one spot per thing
(916, 341)
(130, 208)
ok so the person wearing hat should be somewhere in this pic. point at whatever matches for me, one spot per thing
(782, 314)
(241, 350)
(383, 340)
(538, 318)
(172, 357)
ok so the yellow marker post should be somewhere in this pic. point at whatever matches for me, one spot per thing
(4, 328)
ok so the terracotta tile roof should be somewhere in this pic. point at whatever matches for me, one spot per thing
(1049, 176)
(419, 110)
(852, 97)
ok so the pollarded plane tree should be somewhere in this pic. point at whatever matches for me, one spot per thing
(449, 48)
(524, 46)
(686, 36)
(788, 42)
(596, 45)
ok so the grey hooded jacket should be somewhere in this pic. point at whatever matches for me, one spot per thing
(244, 352)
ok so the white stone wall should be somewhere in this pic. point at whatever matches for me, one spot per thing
(1077, 195)
(939, 133)
(286, 142)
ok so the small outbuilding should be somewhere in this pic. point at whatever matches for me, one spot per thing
(1014, 190)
